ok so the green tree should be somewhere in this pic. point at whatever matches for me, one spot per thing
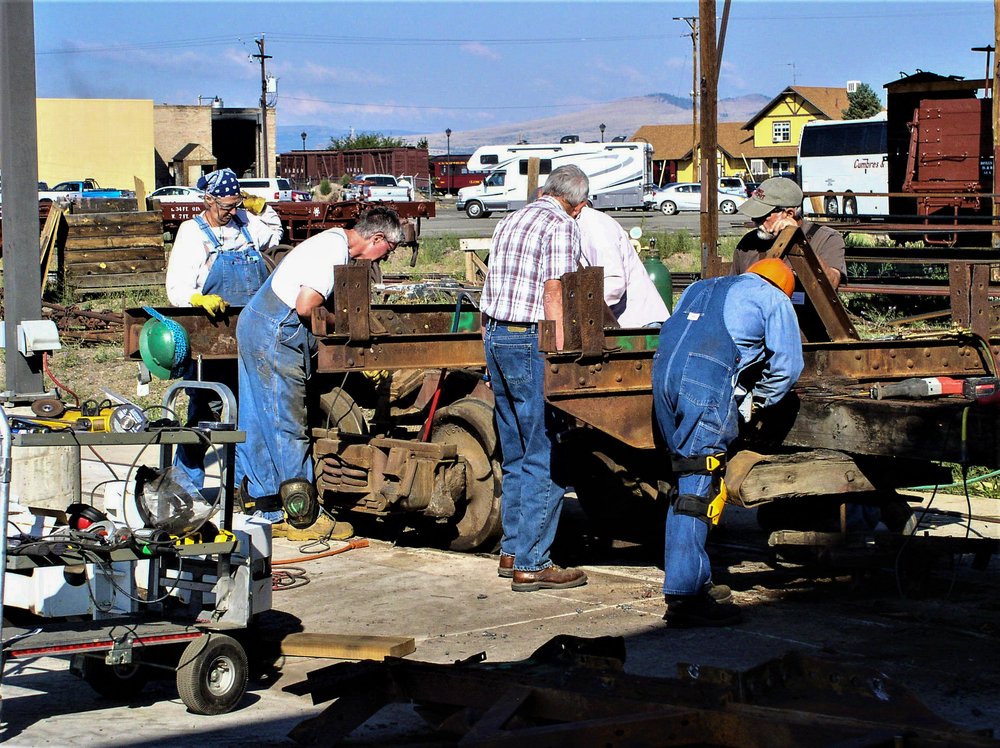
(862, 103)
(365, 140)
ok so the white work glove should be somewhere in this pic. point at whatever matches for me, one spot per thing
(746, 408)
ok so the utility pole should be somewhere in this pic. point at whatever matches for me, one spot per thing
(692, 22)
(262, 165)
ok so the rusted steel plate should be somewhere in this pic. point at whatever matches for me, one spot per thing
(604, 394)
(451, 350)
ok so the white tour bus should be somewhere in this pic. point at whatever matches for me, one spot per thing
(617, 172)
(848, 156)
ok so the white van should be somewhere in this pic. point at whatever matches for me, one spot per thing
(618, 173)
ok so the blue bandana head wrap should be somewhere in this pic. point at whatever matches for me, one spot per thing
(221, 183)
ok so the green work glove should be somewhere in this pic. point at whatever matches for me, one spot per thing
(253, 204)
(211, 303)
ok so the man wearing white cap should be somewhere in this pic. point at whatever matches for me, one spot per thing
(773, 206)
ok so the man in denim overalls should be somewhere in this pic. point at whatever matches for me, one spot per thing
(729, 339)
(216, 262)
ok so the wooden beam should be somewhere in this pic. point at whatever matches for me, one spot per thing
(347, 647)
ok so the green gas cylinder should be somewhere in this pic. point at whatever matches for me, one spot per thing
(659, 274)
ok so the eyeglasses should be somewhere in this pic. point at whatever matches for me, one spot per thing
(228, 208)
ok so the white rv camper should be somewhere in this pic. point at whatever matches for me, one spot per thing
(617, 173)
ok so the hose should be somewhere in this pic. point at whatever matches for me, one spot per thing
(350, 545)
(425, 433)
(56, 382)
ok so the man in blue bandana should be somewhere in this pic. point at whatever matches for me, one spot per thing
(216, 262)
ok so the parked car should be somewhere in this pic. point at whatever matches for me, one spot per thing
(687, 196)
(379, 187)
(79, 188)
(275, 189)
(177, 194)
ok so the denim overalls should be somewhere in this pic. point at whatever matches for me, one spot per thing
(694, 374)
(235, 275)
(275, 360)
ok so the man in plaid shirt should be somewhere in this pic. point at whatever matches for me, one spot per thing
(531, 250)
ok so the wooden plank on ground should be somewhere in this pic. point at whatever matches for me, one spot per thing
(73, 241)
(475, 268)
(48, 240)
(119, 218)
(73, 256)
(116, 281)
(347, 647)
(125, 266)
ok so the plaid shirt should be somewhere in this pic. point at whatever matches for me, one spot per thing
(535, 244)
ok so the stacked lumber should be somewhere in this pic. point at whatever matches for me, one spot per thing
(114, 251)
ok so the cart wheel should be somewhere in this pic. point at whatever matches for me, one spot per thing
(212, 674)
(117, 682)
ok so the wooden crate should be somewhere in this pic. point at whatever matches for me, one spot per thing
(114, 251)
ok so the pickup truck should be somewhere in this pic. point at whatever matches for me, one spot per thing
(78, 188)
(379, 187)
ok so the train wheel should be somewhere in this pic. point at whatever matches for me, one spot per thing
(475, 210)
(119, 682)
(468, 424)
(850, 206)
(212, 674)
(830, 206)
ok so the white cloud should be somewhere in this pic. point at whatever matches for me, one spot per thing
(316, 73)
(480, 50)
(620, 73)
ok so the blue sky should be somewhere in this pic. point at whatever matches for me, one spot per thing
(422, 67)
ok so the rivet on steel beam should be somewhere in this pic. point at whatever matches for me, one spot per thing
(598, 367)
(581, 381)
(638, 365)
(554, 368)
(909, 363)
(618, 378)
(857, 356)
(876, 365)
(350, 362)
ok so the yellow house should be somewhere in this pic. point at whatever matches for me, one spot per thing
(777, 128)
(672, 151)
(110, 140)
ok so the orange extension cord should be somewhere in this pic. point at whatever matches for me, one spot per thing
(351, 544)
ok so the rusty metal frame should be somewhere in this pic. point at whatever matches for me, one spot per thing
(574, 691)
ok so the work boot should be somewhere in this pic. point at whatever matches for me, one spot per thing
(721, 593)
(549, 578)
(506, 568)
(689, 611)
(323, 528)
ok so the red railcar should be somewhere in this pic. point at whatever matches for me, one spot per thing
(307, 168)
(451, 173)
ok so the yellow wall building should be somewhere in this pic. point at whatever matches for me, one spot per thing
(110, 140)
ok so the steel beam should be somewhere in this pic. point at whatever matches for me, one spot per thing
(19, 165)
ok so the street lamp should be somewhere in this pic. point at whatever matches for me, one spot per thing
(447, 134)
(601, 128)
(303, 136)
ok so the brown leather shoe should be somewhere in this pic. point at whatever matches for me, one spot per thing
(551, 578)
(506, 567)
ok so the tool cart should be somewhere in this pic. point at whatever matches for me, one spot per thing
(164, 577)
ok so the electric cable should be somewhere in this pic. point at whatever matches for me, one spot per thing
(289, 578)
(56, 382)
(348, 545)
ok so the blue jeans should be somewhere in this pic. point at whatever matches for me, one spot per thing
(531, 499)
(693, 400)
(275, 351)
(236, 275)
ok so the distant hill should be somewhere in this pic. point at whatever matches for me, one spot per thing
(621, 117)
